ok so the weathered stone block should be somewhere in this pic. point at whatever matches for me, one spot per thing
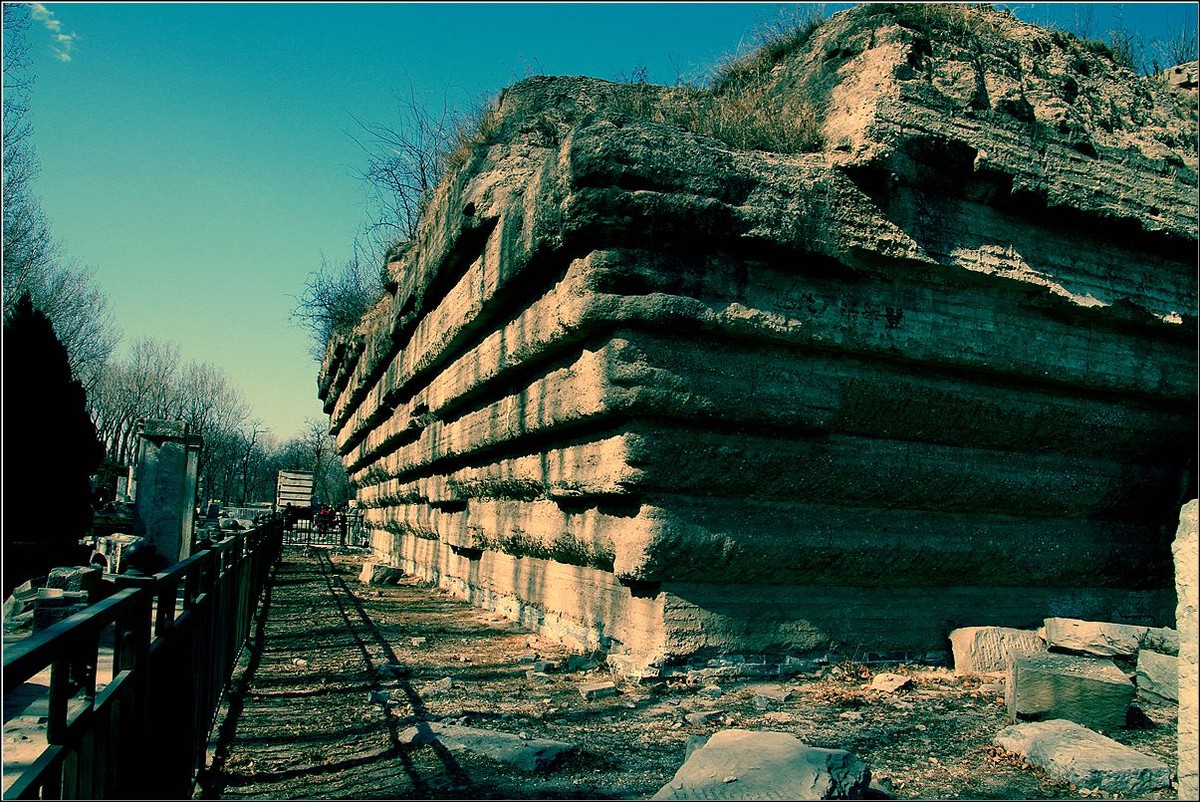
(743, 764)
(1158, 676)
(982, 650)
(1075, 754)
(1094, 637)
(1187, 585)
(1087, 690)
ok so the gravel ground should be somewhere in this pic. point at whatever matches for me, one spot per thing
(339, 671)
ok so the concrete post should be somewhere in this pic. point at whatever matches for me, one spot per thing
(168, 459)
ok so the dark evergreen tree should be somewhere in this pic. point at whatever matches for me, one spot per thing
(50, 451)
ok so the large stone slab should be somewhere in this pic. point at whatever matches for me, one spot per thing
(1094, 637)
(981, 650)
(1187, 586)
(527, 754)
(1158, 676)
(1075, 754)
(744, 764)
(1087, 690)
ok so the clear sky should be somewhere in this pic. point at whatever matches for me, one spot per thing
(200, 157)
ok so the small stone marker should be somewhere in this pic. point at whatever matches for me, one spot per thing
(1158, 676)
(418, 641)
(597, 690)
(982, 650)
(1075, 754)
(890, 683)
(1087, 690)
(743, 764)
(1094, 637)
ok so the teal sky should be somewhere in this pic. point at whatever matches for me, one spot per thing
(200, 156)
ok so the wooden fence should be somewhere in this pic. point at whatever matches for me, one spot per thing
(174, 639)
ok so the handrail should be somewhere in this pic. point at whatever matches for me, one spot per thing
(175, 639)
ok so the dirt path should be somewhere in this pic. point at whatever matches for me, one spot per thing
(341, 672)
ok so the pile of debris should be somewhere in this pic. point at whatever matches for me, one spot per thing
(1069, 682)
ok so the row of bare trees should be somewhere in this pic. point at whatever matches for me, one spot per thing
(240, 458)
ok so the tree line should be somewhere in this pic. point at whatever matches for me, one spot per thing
(240, 458)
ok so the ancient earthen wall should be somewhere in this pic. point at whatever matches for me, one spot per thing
(664, 397)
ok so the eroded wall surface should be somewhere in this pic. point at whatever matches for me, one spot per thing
(662, 396)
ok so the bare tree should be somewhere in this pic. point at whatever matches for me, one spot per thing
(1177, 49)
(127, 392)
(406, 161)
(33, 262)
(336, 297)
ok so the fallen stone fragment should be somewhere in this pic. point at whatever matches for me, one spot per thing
(890, 683)
(377, 574)
(441, 686)
(1075, 754)
(703, 716)
(981, 650)
(597, 690)
(525, 753)
(1163, 640)
(527, 657)
(546, 666)
(580, 663)
(1094, 637)
(393, 670)
(1087, 690)
(766, 765)
(1158, 677)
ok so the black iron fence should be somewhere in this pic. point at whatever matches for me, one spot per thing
(342, 528)
(135, 680)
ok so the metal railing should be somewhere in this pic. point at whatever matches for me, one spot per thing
(174, 639)
(344, 528)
